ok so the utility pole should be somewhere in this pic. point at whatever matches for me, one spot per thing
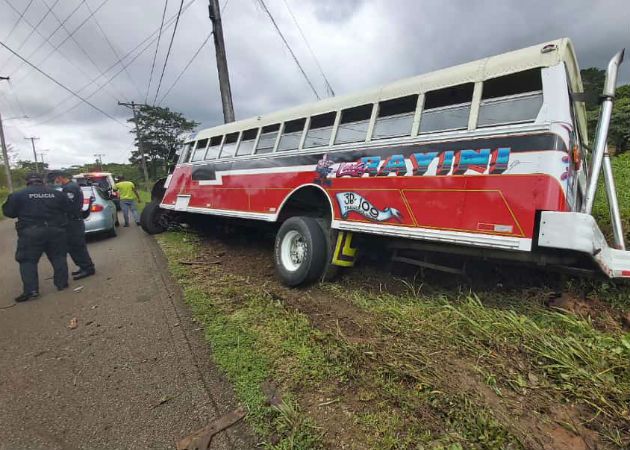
(224, 76)
(5, 153)
(133, 105)
(33, 139)
(41, 158)
(99, 160)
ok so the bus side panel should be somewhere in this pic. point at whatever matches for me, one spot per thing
(179, 184)
(504, 204)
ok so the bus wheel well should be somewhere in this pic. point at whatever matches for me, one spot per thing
(158, 190)
(306, 201)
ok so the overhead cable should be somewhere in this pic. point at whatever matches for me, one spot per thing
(170, 45)
(25, 40)
(17, 22)
(186, 68)
(46, 39)
(56, 48)
(262, 3)
(329, 88)
(157, 46)
(112, 47)
(150, 38)
(62, 85)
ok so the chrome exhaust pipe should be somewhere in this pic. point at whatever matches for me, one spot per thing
(611, 193)
(601, 133)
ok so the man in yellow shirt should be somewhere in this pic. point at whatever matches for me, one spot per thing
(126, 192)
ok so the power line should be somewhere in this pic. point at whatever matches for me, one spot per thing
(170, 45)
(185, 68)
(46, 39)
(310, 49)
(273, 21)
(70, 35)
(74, 39)
(149, 39)
(18, 21)
(30, 34)
(112, 47)
(157, 46)
(113, 93)
(62, 85)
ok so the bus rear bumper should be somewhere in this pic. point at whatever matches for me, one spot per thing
(579, 232)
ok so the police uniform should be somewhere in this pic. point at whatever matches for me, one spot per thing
(75, 230)
(42, 218)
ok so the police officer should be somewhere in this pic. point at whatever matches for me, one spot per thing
(75, 230)
(42, 217)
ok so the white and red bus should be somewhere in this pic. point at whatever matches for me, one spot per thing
(486, 158)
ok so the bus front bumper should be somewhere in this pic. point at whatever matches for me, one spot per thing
(579, 232)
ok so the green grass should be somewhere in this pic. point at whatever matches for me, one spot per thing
(621, 170)
(145, 196)
(408, 386)
(255, 339)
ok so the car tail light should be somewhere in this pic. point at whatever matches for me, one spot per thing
(96, 208)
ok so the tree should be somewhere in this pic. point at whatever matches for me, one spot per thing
(162, 132)
(619, 130)
(30, 166)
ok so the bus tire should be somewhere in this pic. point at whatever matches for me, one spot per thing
(300, 251)
(150, 219)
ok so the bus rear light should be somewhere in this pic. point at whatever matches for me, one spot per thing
(96, 208)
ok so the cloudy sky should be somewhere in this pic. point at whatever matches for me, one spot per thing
(358, 43)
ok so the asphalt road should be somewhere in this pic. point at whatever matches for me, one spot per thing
(134, 373)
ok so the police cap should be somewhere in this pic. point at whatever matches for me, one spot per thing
(34, 177)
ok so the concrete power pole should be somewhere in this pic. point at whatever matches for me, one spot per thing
(133, 105)
(33, 139)
(5, 153)
(224, 76)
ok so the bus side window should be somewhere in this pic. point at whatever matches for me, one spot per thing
(215, 146)
(229, 146)
(247, 142)
(513, 98)
(200, 150)
(320, 130)
(447, 109)
(186, 149)
(395, 117)
(290, 139)
(354, 124)
(267, 139)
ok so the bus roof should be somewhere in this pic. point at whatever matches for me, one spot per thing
(560, 50)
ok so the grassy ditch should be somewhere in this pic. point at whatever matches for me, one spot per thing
(377, 362)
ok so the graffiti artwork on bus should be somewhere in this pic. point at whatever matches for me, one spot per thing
(353, 202)
(452, 162)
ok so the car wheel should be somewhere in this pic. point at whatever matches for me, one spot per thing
(300, 251)
(151, 218)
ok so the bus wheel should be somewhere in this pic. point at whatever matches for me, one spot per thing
(300, 251)
(151, 218)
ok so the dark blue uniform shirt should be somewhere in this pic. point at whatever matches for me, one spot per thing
(38, 205)
(75, 195)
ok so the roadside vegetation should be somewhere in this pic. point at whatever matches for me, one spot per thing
(377, 360)
(4, 193)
